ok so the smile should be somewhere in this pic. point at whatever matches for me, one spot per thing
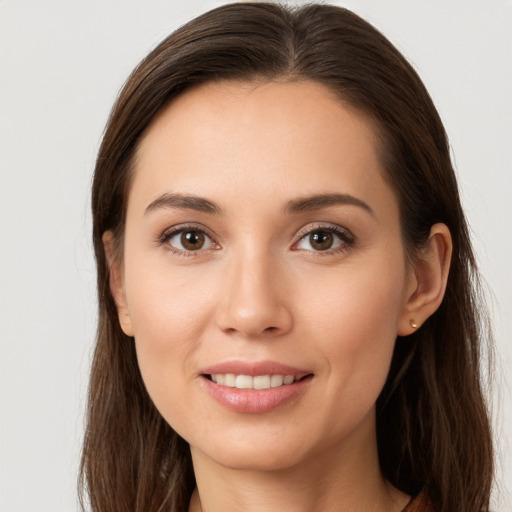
(255, 386)
(249, 382)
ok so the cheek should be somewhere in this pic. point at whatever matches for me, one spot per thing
(357, 321)
(363, 298)
(167, 307)
(169, 314)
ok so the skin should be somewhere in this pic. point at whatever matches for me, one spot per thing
(258, 290)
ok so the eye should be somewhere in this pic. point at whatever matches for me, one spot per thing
(188, 240)
(324, 239)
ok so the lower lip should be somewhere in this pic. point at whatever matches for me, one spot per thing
(255, 401)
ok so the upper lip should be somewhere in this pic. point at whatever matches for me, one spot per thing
(254, 368)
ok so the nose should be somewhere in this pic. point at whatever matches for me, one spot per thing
(255, 301)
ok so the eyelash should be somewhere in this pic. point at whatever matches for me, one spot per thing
(195, 228)
(344, 235)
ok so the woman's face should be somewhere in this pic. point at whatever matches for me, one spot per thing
(263, 245)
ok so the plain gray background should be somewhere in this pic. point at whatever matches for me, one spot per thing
(61, 66)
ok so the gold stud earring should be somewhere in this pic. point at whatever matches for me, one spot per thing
(414, 325)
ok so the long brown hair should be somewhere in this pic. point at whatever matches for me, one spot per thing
(432, 423)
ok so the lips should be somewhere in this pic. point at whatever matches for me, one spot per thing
(254, 387)
(254, 368)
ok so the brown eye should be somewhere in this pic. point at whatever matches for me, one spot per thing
(321, 240)
(324, 239)
(192, 240)
(189, 240)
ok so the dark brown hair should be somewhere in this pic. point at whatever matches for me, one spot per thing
(432, 422)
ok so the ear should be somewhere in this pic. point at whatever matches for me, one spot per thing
(116, 282)
(427, 281)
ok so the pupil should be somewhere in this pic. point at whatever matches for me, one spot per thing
(321, 240)
(192, 240)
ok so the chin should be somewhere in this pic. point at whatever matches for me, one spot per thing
(255, 456)
(260, 462)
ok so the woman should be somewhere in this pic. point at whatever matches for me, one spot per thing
(289, 315)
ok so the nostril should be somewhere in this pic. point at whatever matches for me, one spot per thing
(253, 318)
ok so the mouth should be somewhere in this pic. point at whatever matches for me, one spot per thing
(255, 387)
(257, 382)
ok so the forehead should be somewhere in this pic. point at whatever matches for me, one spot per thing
(223, 137)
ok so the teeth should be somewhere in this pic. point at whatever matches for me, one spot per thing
(261, 382)
(230, 380)
(276, 381)
(243, 382)
(248, 382)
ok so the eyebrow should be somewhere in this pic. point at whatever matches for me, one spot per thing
(183, 202)
(320, 201)
(309, 203)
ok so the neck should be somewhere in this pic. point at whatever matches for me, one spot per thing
(346, 477)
